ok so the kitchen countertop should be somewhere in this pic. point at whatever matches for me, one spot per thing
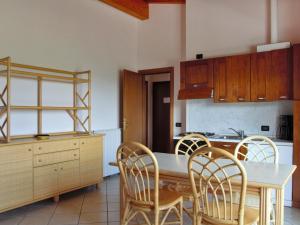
(217, 138)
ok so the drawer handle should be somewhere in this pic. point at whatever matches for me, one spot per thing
(74, 143)
(261, 98)
(61, 168)
(227, 146)
(283, 97)
(82, 143)
(241, 99)
(75, 154)
(29, 150)
(222, 99)
(55, 170)
(40, 148)
(40, 160)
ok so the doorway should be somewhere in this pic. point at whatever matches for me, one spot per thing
(147, 108)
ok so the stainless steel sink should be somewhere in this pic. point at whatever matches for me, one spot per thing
(228, 137)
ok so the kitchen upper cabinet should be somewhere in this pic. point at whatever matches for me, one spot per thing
(296, 71)
(196, 79)
(281, 77)
(271, 76)
(232, 79)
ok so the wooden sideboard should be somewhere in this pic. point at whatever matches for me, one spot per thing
(32, 170)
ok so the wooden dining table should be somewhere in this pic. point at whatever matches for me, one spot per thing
(262, 179)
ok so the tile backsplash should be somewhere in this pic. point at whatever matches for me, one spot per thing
(205, 115)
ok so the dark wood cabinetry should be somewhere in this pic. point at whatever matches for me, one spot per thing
(256, 77)
(196, 79)
(271, 76)
(232, 79)
(296, 71)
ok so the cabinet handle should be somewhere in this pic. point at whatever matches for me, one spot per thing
(40, 148)
(261, 98)
(226, 146)
(55, 170)
(29, 150)
(75, 143)
(40, 160)
(82, 143)
(283, 97)
(75, 154)
(61, 168)
(241, 99)
(222, 99)
(195, 85)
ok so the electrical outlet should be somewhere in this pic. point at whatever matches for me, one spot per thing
(265, 128)
(178, 124)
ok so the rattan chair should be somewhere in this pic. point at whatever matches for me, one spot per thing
(214, 181)
(143, 199)
(257, 149)
(186, 146)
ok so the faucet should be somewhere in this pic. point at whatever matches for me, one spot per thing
(241, 133)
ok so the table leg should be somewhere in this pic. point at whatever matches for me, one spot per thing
(122, 199)
(264, 210)
(279, 213)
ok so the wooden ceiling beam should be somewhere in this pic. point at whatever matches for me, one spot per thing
(136, 8)
(166, 1)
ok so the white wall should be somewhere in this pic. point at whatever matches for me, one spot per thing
(71, 35)
(227, 27)
(204, 115)
(161, 43)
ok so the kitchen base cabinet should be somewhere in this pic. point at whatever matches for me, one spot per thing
(36, 170)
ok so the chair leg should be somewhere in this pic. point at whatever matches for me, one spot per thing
(126, 213)
(156, 217)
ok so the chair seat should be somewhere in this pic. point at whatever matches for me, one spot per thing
(166, 199)
(184, 190)
(251, 215)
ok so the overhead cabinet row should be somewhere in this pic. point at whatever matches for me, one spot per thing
(253, 77)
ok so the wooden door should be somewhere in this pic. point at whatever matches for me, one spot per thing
(261, 77)
(69, 177)
(16, 179)
(134, 107)
(161, 117)
(45, 181)
(296, 71)
(91, 165)
(240, 77)
(221, 81)
(281, 74)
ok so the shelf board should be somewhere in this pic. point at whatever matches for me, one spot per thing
(18, 107)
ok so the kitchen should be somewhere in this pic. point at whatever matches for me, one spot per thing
(81, 36)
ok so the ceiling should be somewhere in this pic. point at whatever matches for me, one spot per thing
(138, 8)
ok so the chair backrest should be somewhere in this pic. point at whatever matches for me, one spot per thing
(258, 149)
(136, 163)
(213, 186)
(189, 143)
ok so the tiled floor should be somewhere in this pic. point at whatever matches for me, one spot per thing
(89, 206)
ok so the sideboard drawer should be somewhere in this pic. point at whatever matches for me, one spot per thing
(15, 153)
(55, 146)
(56, 157)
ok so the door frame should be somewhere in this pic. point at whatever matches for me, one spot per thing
(157, 71)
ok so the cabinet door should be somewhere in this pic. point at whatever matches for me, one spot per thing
(221, 81)
(69, 177)
(296, 71)
(281, 74)
(232, 79)
(240, 77)
(196, 79)
(45, 181)
(15, 175)
(228, 146)
(91, 160)
(260, 76)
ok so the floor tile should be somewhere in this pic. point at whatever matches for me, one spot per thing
(93, 217)
(41, 219)
(94, 207)
(64, 219)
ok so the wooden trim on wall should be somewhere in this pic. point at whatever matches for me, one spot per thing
(166, 1)
(136, 8)
(157, 71)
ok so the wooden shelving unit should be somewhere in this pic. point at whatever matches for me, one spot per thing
(80, 102)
